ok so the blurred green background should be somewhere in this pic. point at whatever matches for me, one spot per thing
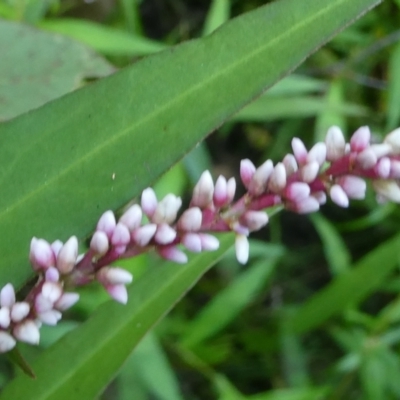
(315, 313)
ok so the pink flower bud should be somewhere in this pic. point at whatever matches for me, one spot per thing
(118, 293)
(309, 171)
(99, 243)
(299, 150)
(172, 253)
(56, 247)
(317, 153)
(203, 191)
(67, 300)
(165, 234)
(395, 169)
(382, 168)
(389, 189)
(27, 332)
(167, 209)
(121, 235)
(335, 144)
(353, 186)
(50, 317)
(247, 170)
(7, 296)
(51, 291)
(220, 192)
(191, 220)
(149, 202)
(132, 217)
(277, 180)
(305, 206)
(393, 139)
(297, 191)
(7, 342)
(52, 275)
(43, 303)
(19, 311)
(107, 223)
(242, 248)
(360, 139)
(143, 235)
(339, 196)
(367, 158)
(192, 242)
(230, 189)
(320, 196)
(5, 317)
(260, 178)
(67, 256)
(290, 163)
(41, 254)
(113, 276)
(381, 150)
(208, 242)
(254, 220)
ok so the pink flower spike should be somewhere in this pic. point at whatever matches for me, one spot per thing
(50, 317)
(290, 163)
(339, 196)
(121, 235)
(353, 186)
(191, 220)
(99, 243)
(52, 275)
(167, 209)
(335, 144)
(305, 206)
(367, 158)
(309, 171)
(118, 293)
(220, 192)
(67, 300)
(247, 170)
(165, 234)
(297, 191)
(107, 223)
(143, 235)
(277, 180)
(172, 253)
(231, 189)
(360, 139)
(389, 189)
(41, 254)
(317, 153)
(132, 217)
(56, 247)
(19, 311)
(393, 139)
(7, 296)
(255, 220)
(27, 332)
(7, 342)
(260, 178)
(203, 191)
(299, 150)
(67, 256)
(208, 242)
(113, 276)
(242, 248)
(5, 317)
(382, 168)
(149, 202)
(192, 242)
(51, 291)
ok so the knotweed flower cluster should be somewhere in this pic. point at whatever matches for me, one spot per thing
(300, 183)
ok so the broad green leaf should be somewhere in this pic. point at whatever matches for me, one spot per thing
(228, 303)
(102, 38)
(85, 360)
(93, 150)
(217, 15)
(39, 67)
(336, 252)
(349, 288)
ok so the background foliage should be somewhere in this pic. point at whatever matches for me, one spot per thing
(315, 314)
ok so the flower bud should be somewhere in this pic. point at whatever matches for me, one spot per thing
(149, 202)
(41, 254)
(27, 332)
(107, 223)
(335, 144)
(242, 249)
(99, 243)
(191, 220)
(203, 191)
(247, 170)
(132, 217)
(7, 342)
(172, 253)
(67, 256)
(339, 196)
(7, 296)
(360, 139)
(167, 209)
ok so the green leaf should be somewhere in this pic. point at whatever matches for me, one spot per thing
(393, 112)
(348, 288)
(83, 361)
(93, 150)
(102, 38)
(40, 67)
(228, 303)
